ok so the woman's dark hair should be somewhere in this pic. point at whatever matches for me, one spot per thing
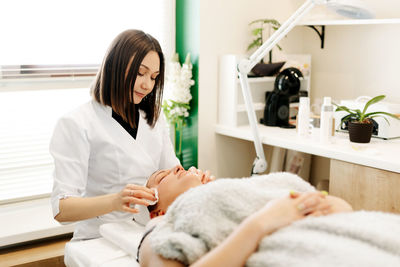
(116, 77)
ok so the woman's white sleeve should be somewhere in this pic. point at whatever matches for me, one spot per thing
(70, 150)
(168, 157)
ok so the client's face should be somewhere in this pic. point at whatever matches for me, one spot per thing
(170, 183)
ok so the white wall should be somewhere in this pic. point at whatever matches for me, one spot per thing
(357, 60)
(223, 30)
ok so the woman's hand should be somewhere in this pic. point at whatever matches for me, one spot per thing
(133, 194)
(281, 212)
(336, 205)
(329, 206)
(205, 177)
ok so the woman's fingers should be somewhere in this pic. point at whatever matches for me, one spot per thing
(310, 195)
(309, 202)
(307, 206)
(294, 194)
(209, 176)
(206, 177)
(323, 209)
(141, 194)
(134, 200)
(136, 194)
(192, 169)
(133, 195)
(129, 209)
(317, 213)
(139, 187)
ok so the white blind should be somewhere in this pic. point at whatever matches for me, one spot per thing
(52, 38)
(75, 34)
(26, 125)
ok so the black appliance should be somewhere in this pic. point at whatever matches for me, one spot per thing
(286, 87)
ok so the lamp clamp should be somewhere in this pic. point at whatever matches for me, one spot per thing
(243, 66)
(259, 166)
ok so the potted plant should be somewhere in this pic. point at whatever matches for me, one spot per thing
(261, 25)
(360, 123)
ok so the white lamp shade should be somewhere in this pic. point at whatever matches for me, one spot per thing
(355, 9)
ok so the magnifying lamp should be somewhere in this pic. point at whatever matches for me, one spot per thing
(350, 8)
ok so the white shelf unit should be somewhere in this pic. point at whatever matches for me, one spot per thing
(231, 107)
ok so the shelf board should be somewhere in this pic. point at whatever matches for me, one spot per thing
(380, 154)
(257, 106)
(260, 79)
(264, 79)
(350, 22)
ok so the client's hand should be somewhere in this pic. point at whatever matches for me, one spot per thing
(204, 176)
(330, 205)
(335, 205)
(281, 212)
(132, 194)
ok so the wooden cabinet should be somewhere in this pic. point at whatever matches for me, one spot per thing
(364, 187)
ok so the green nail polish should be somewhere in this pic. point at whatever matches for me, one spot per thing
(324, 193)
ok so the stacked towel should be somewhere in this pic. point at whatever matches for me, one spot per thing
(125, 235)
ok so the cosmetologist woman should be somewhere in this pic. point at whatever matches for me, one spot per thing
(105, 150)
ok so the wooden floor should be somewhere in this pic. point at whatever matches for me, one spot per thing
(46, 253)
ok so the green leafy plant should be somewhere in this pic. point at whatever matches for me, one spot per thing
(258, 32)
(356, 115)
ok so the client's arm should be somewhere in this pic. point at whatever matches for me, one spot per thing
(242, 242)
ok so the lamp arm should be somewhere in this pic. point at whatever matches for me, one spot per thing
(260, 164)
(267, 46)
(245, 66)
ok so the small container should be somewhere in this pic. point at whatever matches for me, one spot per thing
(303, 117)
(326, 121)
(315, 127)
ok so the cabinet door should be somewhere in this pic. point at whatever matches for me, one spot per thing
(365, 187)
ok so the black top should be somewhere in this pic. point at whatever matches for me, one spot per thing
(125, 125)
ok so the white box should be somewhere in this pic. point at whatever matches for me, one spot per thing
(385, 130)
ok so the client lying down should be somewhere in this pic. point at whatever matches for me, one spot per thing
(258, 222)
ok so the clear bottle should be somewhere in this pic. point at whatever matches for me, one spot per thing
(326, 120)
(303, 117)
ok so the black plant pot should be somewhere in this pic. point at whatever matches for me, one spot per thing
(360, 132)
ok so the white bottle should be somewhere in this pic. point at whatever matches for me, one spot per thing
(326, 121)
(303, 117)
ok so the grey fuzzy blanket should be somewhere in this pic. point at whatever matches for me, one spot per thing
(204, 216)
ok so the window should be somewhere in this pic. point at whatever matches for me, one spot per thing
(49, 54)
(44, 32)
(27, 120)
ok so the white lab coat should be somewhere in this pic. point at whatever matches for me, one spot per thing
(94, 155)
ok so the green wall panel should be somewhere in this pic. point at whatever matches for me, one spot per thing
(187, 41)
